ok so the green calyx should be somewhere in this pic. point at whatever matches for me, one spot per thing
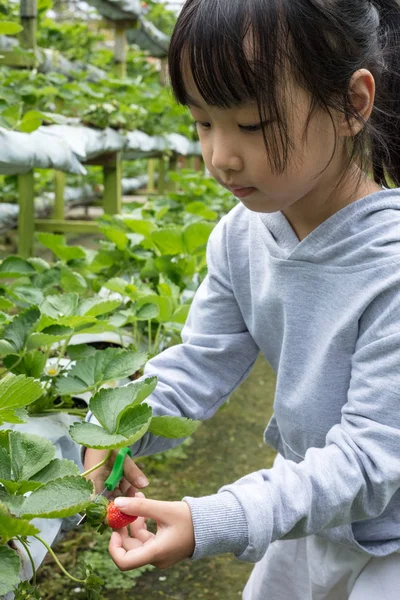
(96, 512)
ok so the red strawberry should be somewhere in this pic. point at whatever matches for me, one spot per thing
(102, 513)
(117, 519)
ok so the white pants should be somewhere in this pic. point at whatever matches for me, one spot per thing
(313, 568)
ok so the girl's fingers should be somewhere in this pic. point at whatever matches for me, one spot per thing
(134, 475)
(142, 507)
(134, 558)
(126, 542)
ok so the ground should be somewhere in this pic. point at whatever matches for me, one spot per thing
(224, 449)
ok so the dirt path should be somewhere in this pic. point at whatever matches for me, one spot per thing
(224, 449)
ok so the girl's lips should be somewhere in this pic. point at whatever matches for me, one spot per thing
(243, 192)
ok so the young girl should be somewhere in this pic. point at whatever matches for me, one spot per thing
(297, 105)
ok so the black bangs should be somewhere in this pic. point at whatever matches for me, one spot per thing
(240, 50)
(217, 42)
(235, 51)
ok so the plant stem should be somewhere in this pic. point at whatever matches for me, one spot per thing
(78, 413)
(21, 541)
(157, 339)
(103, 462)
(58, 562)
(149, 335)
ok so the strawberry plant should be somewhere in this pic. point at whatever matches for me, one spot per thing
(34, 484)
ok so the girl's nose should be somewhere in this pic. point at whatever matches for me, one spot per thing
(226, 157)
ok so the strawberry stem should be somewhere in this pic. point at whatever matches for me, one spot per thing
(25, 545)
(58, 562)
(103, 462)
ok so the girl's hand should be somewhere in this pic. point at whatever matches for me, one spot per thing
(173, 541)
(133, 480)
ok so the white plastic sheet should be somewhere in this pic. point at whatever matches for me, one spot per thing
(21, 152)
(118, 10)
(149, 38)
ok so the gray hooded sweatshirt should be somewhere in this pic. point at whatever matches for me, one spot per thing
(325, 312)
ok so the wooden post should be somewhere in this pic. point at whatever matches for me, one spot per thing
(161, 175)
(26, 217)
(59, 205)
(120, 49)
(151, 174)
(112, 200)
(28, 15)
(173, 161)
(163, 71)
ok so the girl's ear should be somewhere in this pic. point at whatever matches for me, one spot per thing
(362, 97)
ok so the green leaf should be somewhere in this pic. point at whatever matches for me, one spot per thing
(71, 281)
(147, 311)
(10, 526)
(196, 235)
(75, 322)
(31, 364)
(16, 392)
(133, 425)
(201, 209)
(17, 332)
(6, 348)
(169, 240)
(5, 464)
(119, 238)
(26, 295)
(80, 351)
(56, 469)
(12, 114)
(48, 337)
(39, 264)
(165, 304)
(181, 314)
(5, 304)
(61, 305)
(94, 307)
(31, 121)
(56, 243)
(109, 404)
(173, 427)
(142, 227)
(9, 28)
(106, 365)
(60, 498)
(10, 564)
(117, 284)
(29, 454)
(15, 266)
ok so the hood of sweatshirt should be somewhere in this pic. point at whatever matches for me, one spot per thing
(358, 236)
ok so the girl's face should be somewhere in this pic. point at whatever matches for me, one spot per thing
(234, 152)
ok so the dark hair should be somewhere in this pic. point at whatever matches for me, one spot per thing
(323, 42)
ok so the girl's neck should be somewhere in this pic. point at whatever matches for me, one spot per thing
(308, 213)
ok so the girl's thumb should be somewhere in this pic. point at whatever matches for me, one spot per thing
(140, 507)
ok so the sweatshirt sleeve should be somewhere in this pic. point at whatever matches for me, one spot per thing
(352, 478)
(217, 353)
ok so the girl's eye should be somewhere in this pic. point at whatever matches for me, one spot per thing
(252, 128)
(202, 125)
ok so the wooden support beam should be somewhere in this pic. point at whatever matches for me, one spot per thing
(112, 199)
(62, 226)
(120, 49)
(161, 175)
(28, 15)
(151, 174)
(12, 58)
(26, 215)
(173, 161)
(59, 204)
